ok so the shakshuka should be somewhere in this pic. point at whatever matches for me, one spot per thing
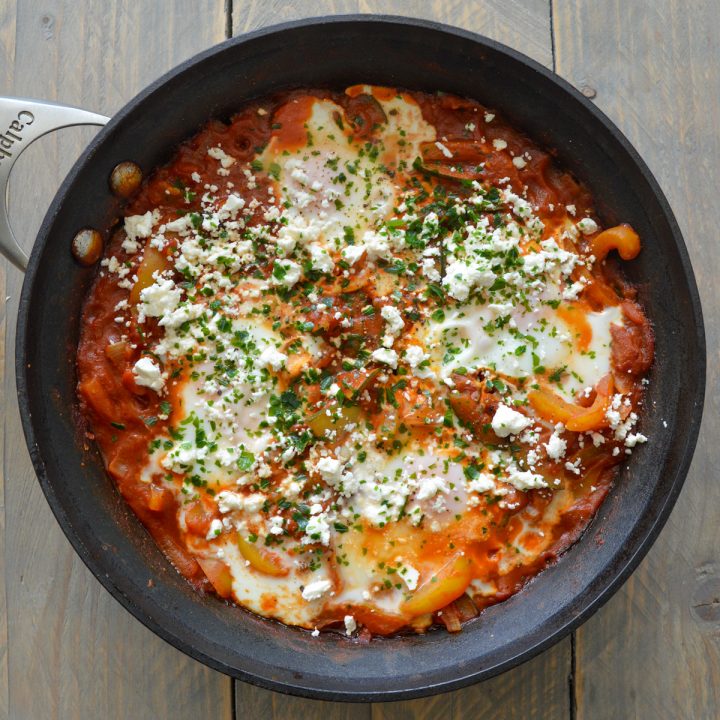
(363, 360)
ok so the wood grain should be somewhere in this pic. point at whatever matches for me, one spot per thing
(523, 24)
(654, 650)
(539, 689)
(73, 651)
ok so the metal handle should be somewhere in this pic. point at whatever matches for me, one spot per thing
(21, 123)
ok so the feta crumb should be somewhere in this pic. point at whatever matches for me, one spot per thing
(385, 355)
(161, 298)
(393, 318)
(525, 480)
(443, 149)
(217, 153)
(519, 162)
(330, 469)
(635, 438)
(587, 226)
(271, 357)
(315, 590)
(499, 144)
(139, 226)
(286, 272)
(216, 527)
(147, 373)
(507, 421)
(410, 576)
(350, 625)
(430, 486)
(352, 253)
(556, 447)
(228, 501)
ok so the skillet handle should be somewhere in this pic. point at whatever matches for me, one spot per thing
(21, 123)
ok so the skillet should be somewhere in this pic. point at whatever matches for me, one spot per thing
(337, 52)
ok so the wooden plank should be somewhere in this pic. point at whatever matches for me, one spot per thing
(7, 56)
(73, 651)
(522, 24)
(654, 650)
(538, 689)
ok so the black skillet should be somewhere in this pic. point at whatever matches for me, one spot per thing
(336, 52)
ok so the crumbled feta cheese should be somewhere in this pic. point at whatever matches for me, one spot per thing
(461, 277)
(484, 482)
(417, 359)
(271, 357)
(410, 575)
(519, 162)
(147, 373)
(320, 260)
(217, 153)
(430, 270)
(499, 144)
(430, 486)
(216, 527)
(587, 226)
(393, 318)
(315, 590)
(443, 149)
(317, 530)
(525, 479)
(633, 439)
(556, 447)
(276, 525)
(352, 253)
(507, 421)
(286, 273)
(376, 245)
(139, 226)
(330, 469)
(385, 355)
(350, 625)
(161, 298)
(229, 501)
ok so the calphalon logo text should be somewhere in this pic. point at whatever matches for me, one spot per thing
(12, 134)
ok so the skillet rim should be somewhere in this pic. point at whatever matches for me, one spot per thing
(312, 689)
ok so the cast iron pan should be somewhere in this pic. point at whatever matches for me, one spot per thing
(336, 52)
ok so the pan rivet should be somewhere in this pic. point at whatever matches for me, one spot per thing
(588, 92)
(125, 179)
(87, 247)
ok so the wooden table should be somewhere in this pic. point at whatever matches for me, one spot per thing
(70, 651)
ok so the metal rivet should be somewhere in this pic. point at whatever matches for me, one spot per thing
(588, 92)
(87, 247)
(125, 179)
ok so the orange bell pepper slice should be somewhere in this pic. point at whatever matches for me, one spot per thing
(549, 406)
(621, 238)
